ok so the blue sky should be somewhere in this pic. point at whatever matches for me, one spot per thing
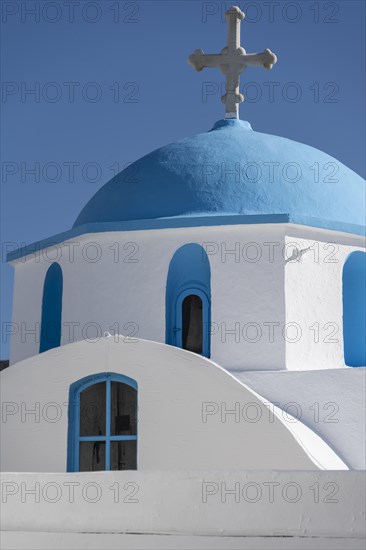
(112, 83)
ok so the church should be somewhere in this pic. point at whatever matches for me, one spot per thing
(197, 379)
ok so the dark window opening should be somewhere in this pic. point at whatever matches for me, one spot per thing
(192, 323)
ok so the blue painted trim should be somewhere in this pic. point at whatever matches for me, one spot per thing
(92, 438)
(187, 221)
(354, 309)
(108, 425)
(123, 438)
(205, 314)
(50, 330)
(73, 436)
(104, 438)
(189, 272)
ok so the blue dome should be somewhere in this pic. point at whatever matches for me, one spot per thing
(231, 170)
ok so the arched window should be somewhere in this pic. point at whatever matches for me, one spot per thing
(102, 424)
(188, 296)
(51, 309)
(354, 310)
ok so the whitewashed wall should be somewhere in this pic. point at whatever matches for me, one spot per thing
(313, 288)
(260, 302)
(125, 289)
(175, 388)
(41, 540)
(330, 401)
(310, 505)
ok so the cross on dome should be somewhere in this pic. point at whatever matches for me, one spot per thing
(232, 61)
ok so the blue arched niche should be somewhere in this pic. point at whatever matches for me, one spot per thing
(354, 309)
(188, 286)
(51, 309)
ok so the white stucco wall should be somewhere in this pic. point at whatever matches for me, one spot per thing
(310, 505)
(313, 289)
(266, 314)
(41, 540)
(331, 402)
(124, 290)
(185, 412)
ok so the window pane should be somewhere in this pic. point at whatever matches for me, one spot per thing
(123, 455)
(124, 409)
(192, 323)
(92, 410)
(92, 456)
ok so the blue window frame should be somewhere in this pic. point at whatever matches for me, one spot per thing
(102, 423)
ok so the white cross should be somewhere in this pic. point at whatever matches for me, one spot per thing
(232, 61)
